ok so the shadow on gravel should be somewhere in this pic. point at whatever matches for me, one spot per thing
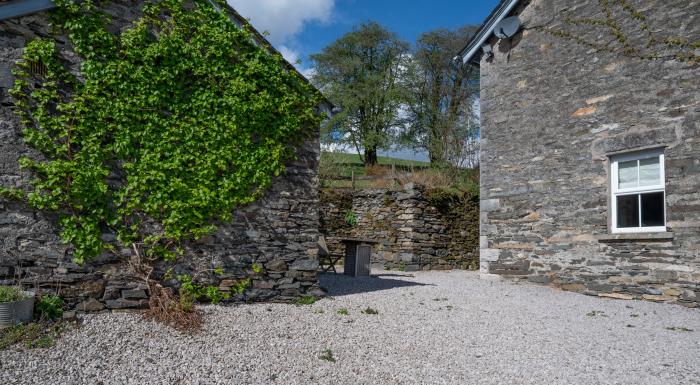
(339, 284)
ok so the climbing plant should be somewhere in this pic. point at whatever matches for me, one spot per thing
(645, 45)
(164, 129)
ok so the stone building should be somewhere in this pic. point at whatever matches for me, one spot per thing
(279, 232)
(590, 146)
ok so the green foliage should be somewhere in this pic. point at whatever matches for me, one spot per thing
(351, 218)
(257, 269)
(305, 300)
(343, 311)
(441, 116)
(615, 14)
(370, 311)
(327, 355)
(168, 128)
(48, 307)
(360, 72)
(11, 294)
(34, 335)
(190, 292)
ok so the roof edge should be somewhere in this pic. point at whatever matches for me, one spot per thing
(469, 51)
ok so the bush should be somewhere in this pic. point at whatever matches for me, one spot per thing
(11, 294)
(49, 307)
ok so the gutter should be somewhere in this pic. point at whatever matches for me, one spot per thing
(468, 53)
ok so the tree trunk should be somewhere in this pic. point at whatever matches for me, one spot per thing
(371, 156)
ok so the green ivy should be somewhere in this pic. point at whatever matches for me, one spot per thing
(167, 128)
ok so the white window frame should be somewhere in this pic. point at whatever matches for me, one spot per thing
(615, 191)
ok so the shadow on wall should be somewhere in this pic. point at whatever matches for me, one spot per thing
(339, 284)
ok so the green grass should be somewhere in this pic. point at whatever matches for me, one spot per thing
(327, 356)
(33, 335)
(337, 157)
(305, 300)
(343, 311)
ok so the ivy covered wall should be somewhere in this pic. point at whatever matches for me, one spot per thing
(276, 233)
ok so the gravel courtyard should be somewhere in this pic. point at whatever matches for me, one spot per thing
(431, 328)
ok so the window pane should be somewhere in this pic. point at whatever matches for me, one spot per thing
(627, 174)
(653, 209)
(628, 211)
(649, 172)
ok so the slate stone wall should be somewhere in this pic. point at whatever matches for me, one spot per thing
(278, 232)
(416, 235)
(552, 112)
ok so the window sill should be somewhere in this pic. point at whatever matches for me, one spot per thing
(661, 236)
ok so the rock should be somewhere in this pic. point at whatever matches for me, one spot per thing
(90, 305)
(134, 294)
(122, 303)
(658, 298)
(616, 296)
(276, 265)
(672, 292)
(305, 265)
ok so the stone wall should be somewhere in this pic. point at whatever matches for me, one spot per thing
(552, 112)
(417, 235)
(278, 232)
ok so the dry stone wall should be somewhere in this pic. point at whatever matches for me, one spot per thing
(552, 112)
(416, 234)
(278, 232)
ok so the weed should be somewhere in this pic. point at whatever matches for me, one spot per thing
(369, 310)
(49, 307)
(11, 294)
(594, 313)
(305, 300)
(343, 311)
(634, 315)
(449, 307)
(679, 329)
(33, 335)
(257, 269)
(351, 218)
(439, 299)
(327, 355)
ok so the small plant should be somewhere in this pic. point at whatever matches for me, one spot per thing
(594, 313)
(327, 355)
(34, 335)
(49, 307)
(679, 329)
(190, 292)
(343, 311)
(11, 294)
(351, 218)
(305, 300)
(369, 310)
(319, 311)
(257, 269)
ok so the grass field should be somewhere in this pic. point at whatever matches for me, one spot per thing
(354, 159)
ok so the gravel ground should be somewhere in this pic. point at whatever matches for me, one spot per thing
(432, 328)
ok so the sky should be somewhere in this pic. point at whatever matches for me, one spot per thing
(300, 28)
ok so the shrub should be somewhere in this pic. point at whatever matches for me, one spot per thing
(49, 307)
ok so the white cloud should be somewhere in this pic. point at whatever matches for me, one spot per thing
(283, 19)
(289, 54)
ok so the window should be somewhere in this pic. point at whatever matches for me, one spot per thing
(638, 192)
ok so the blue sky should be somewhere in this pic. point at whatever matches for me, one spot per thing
(300, 28)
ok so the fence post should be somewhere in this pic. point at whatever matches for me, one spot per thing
(352, 176)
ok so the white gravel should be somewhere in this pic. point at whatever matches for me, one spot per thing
(434, 328)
